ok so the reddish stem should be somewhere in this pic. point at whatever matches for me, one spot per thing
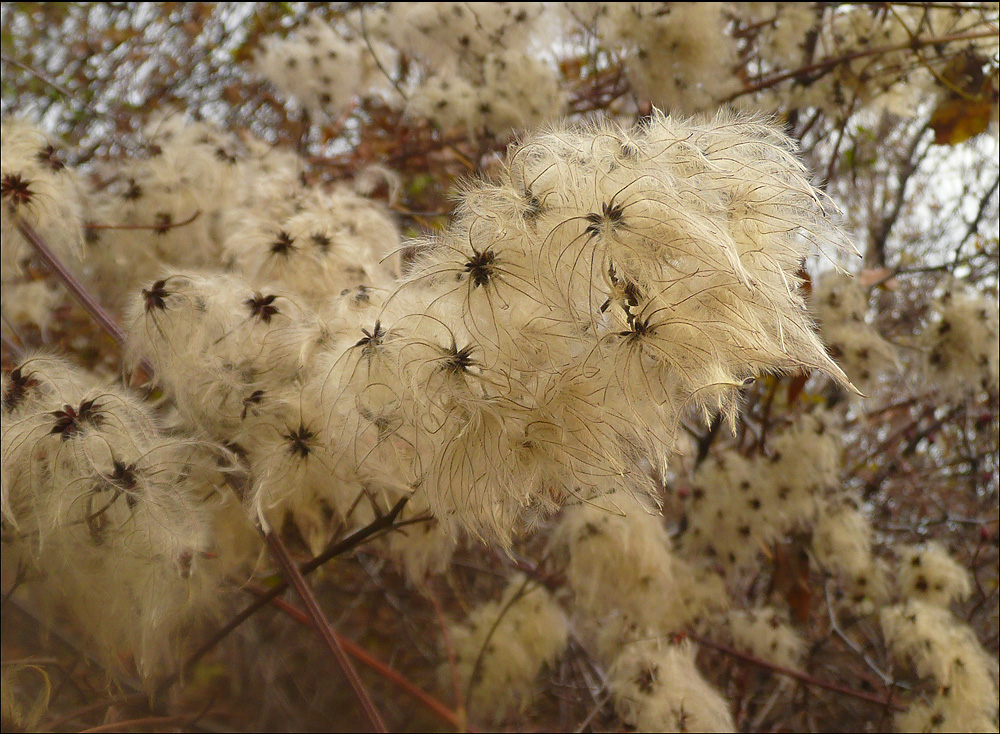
(355, 539)
(364, 657)
(452, 663)
(73, 285)
(798, 675)
(319, 622)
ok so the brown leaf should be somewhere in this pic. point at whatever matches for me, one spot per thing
(791, 576)
(232, 94)
(965, 73)
(956, 120)
(882, 277)
(796, 386)
(572, 68)
(806, 285)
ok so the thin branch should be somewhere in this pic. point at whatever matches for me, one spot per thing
(70, 643)
(853, 646)
(480, 658)
(73, 285)
(161, 228)
(384, 522)
(949, 266)
(876, 256)
(45, 78)
(832, 165)
(765, 419)
(449, 648)
(60, 723)
(598, 707)
(947, 6)
(371, 49)
(798, 675)
(984, 203)
(705, 441)
(293, 575)
(386, 671)
(828, 64)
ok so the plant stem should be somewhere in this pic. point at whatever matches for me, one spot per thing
(827, 64)
(885, 700)
(386, 671)
(319, 622)
(73, 285)
(157, 227)
(350, 542)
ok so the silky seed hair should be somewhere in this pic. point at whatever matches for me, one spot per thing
(37, 187)
(929, 574)
(960, 342)
(502, 646)
(97, 495)
(656, 686)
(944, 650)
(627, 296)
(577, 307)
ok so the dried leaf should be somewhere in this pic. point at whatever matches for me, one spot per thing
(791, 576)
(882, 277)
(956, 120)
(806, 284)
(796, 386)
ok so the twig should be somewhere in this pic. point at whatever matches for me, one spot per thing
(371, 49)
(797, 675)
(980, 213)
(828, 64)
(319, 622)
(45, 78)
(832, 165)
(446, 637)
(601, 703)
(779, 691)
(873, 484)
(481, 657)
(69, 643)
(164, 227)
(73, 285)
(386, 671)
(853, 646)
(879, 232)
(350, 542)
(373, 569)
(765, 419)
(949, 266)
(705, 441)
